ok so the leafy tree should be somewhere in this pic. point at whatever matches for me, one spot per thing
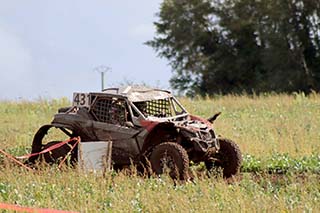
(231, 46)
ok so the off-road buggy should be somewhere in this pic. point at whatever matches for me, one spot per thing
(148, 128)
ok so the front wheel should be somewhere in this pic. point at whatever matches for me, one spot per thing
(58, 154)
(172, 158)
(228, 158)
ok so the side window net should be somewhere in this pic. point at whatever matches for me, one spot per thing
(109, 110)
(157, 108)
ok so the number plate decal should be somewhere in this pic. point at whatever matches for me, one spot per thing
(80, 99)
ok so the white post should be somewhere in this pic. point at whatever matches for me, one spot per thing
(102, 69)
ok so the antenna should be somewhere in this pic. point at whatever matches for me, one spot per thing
(102, 69)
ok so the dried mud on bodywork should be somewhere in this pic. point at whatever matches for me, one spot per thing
(148, 128)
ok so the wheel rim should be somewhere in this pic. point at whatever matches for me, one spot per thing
(228, 159)
(170, 158)
(168, 165)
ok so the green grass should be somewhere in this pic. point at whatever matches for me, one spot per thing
(118, 192)
(276, 133)
(266, 125)
(281, 163)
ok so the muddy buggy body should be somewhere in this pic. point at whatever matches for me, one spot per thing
(148, 128)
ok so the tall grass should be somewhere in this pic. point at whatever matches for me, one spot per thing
(264, 125)
(272, 131)
(71, 190)
(20, 120)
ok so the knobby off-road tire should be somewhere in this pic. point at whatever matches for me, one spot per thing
(56, 155)
(229, 158)
(172, 158)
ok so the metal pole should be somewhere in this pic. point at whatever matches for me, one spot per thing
(102, 69)
(102, 81)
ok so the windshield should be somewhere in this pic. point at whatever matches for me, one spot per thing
(161, 108)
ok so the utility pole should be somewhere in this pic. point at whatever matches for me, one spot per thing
(102, 70)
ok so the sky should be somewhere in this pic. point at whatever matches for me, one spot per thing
(50, 49)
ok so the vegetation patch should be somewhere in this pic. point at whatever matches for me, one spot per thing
(279, 135)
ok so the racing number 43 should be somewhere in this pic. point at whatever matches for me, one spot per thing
(80, 99)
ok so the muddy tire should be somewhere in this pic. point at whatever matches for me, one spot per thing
(171, 158)
(229, 158)
(58, 154)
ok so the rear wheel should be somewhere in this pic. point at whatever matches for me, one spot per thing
(170, 158)
(229, 158)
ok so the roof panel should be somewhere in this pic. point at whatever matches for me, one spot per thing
(139, 93)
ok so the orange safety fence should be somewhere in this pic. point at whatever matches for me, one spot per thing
(15, 160)
(17, 208)
(53, 147)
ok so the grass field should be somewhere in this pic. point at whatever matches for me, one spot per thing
(273, 131)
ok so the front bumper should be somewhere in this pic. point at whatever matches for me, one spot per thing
(204, 146)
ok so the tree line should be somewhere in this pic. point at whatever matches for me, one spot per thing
(235, 46)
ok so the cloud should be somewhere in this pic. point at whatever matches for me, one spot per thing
(15, 64)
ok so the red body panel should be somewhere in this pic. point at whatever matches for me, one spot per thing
(148, 125)
(197, 118)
